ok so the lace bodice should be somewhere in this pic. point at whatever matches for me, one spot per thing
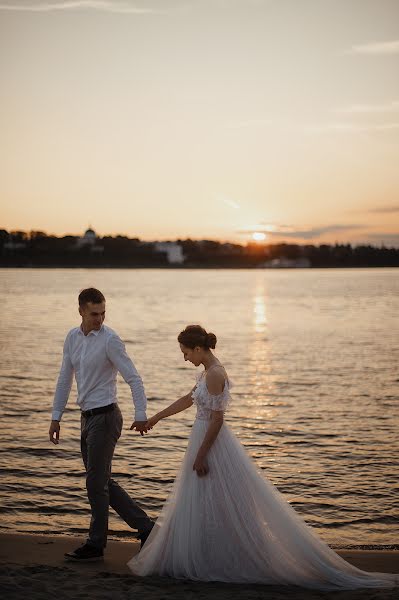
(206, 402)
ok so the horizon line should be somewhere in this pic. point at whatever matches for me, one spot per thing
(288, 242)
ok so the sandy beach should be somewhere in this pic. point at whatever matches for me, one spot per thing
(33, 566)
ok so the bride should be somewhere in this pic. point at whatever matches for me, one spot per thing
(223, 521)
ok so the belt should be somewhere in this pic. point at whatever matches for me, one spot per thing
(99, 410)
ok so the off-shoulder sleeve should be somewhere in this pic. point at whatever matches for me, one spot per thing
(203, 398)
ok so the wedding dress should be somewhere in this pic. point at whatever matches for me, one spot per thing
(233, 525)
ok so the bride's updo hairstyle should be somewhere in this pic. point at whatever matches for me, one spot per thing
(195, 335)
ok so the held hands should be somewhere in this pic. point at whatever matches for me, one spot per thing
(145, 426)
(201, 466)
(54, 432)
(140, 426)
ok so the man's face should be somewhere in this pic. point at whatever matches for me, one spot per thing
(93, 315)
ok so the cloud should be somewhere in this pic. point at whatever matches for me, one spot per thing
(231, 203)
(250, 123)
(347, 127)
(226, 200)
(388, 239)
(287, 232)
(376, 48)
(369, 108)
(338, 127)
(101, 5)
(393, 208)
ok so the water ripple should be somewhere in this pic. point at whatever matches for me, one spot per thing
(315, 397)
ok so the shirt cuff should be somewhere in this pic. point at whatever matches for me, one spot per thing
(140, 416)
(57, 415)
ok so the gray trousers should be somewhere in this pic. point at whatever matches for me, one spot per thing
(99, 434)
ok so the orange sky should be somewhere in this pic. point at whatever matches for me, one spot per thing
(202, 119)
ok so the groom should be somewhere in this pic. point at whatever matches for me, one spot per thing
(95, 353)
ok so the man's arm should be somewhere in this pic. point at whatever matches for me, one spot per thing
(117, 354)
(62, 392)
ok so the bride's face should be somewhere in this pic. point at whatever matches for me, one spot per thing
(194, 355)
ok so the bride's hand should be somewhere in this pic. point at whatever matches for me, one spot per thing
(201, 466)
(152, 421)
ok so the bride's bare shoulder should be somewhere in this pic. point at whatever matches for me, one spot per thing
(215, 379)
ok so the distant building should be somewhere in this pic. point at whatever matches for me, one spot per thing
(287, 263)
(13, 243)
(89, 240)
(173, 250)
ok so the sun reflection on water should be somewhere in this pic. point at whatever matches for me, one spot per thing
(259, 365)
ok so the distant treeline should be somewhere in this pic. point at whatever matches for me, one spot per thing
(37, 249)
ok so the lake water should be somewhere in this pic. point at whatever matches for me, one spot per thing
(313, 355)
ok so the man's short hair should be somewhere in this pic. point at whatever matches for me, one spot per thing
(90, 295)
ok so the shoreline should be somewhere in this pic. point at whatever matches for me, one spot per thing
(35, 565)
(129, 537)
(195, 267)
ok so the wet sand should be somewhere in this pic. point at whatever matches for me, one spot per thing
(33, 567)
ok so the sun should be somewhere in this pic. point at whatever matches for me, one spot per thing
(258, 236)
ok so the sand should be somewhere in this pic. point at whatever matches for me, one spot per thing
(33, 567)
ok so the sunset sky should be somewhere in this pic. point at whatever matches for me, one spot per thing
(165, 119)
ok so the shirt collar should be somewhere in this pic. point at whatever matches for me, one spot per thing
(92, 332)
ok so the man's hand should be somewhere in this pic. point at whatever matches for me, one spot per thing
(54, 432)
(140, 426)
(201, 466)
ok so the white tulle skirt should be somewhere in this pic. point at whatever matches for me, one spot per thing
(234, 526)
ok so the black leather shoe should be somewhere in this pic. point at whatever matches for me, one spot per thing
(143, 536)
(85, 553)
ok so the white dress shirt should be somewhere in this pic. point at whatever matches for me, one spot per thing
(95, 359)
